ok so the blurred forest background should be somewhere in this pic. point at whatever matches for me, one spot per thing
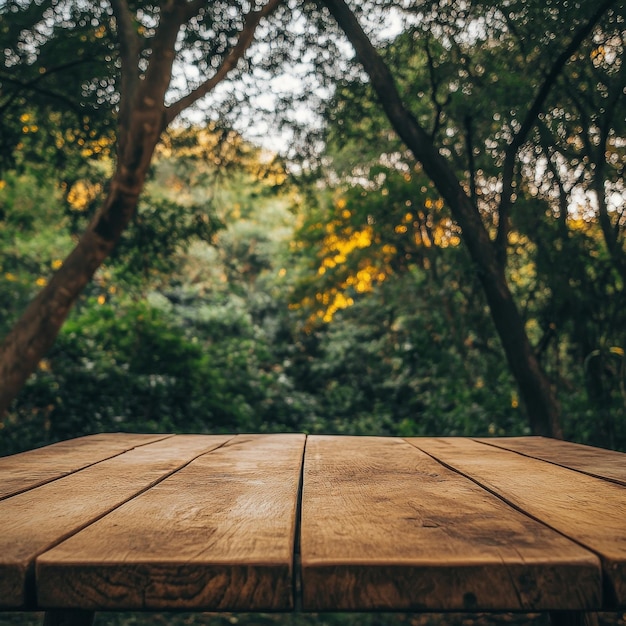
(324, 285)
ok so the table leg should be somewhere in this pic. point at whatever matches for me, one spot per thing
(573, 618)
(68, 617)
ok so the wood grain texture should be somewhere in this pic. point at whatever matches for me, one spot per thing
(593, 461)
(589, 510)
(20, 472)
(385, 527)
(35, 520)
(217, 535)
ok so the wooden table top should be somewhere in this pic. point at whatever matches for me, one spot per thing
(286, 521)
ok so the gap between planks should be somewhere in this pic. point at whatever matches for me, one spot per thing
(297, 559)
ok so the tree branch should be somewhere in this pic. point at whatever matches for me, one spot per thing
(173, 14)
(246, 36)
(529, 121)
(611, 233)
(414, 135)
(550, 154)
(434, 86)
(130, 45)
(60, 68)
(31, 86)
(538, 396)
(471, 165)
(513, 29)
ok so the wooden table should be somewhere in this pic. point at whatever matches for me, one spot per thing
(288, 522)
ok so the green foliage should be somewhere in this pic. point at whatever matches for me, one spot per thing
(150, 347)
(409, 359)
(238, 301)
(136, 366)
(33, 238)
(58, 105)
(158, 232)
(192, 328)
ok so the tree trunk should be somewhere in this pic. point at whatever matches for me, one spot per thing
(35, 332)
(534, 386)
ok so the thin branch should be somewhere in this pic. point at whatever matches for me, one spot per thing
(45, 92)
(61, 68)
(30, 85)
(530, 120)
(246, 36)
(193, 8)
(597, 156)
(583, 105)
(434, 84)
(609, 110)
(511, 26)
(563, 193)
(469, 146)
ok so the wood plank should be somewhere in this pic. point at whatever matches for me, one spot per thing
(218, 535)
(38, 519)
(589, 510)
(597, 462)
(26, 470)
(385, 527)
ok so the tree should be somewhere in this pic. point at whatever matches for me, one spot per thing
(149, 43)
(182, 328)
(488, 252)
(150, 38)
